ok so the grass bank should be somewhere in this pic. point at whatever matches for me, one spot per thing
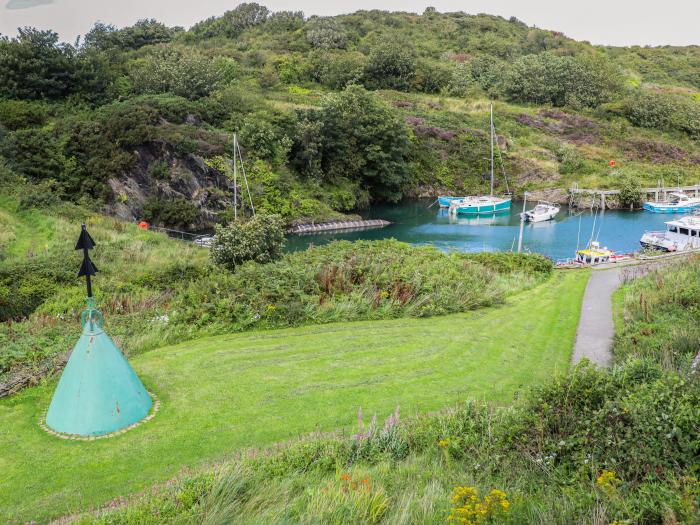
(158, 291)
(250, 390)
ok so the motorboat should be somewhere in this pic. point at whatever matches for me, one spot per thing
(544, 211)
(680, 235)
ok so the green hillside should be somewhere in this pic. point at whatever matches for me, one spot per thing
(334, 113)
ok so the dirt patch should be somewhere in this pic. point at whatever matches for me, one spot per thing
(529, 171)
(426, 130)
(657, 151)
(567, 126)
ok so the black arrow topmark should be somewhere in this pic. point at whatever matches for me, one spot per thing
(87, 268)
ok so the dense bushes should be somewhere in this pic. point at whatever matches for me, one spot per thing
(355, 137)
(551, 79)
(352, 281)
(24, 286)
(259, 239)
(181, 72)
(664, 111)
(177, 212)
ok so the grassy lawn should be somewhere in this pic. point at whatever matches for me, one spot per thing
(250, 390)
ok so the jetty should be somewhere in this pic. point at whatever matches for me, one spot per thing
(337, 225)
(600, 196)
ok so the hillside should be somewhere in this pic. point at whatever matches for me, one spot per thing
(334, 113)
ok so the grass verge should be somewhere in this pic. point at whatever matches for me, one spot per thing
(226, 393)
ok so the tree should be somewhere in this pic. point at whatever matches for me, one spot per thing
(338, 69)
(233, 22)
(391, 65)
(326, 33)
(364, 141)
(35, 66)
(183, 72)
(105, 37)
(559, 80)
(259, 239)
(663, 111)
(630, 191)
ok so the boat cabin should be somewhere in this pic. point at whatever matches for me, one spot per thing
(681, 234)
(594, 254)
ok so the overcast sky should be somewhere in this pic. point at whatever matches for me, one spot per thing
(611, 22)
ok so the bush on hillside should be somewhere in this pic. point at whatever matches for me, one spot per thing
(177, 212)
(664, 112)
(182, 72)
(550, 79)
(18, 114)
(391, 65)
(259, 239)
(363, 141)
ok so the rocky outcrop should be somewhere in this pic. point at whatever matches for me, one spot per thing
(161, 172)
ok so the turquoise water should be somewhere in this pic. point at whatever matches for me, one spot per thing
(415, 223)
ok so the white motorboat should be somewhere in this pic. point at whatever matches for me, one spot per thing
(681, 234)
(544, 211)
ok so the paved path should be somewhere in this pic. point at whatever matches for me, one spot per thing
(595, 331)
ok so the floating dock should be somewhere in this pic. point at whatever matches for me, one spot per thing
(337, 226)
(599, 196)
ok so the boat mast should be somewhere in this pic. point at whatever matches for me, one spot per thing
(235, 176)
(491, 131)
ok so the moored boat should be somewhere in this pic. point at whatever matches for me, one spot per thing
(594, 254)
(482, 204)
(544, 211)
(445, 200)
(680, 235)
(485, 204)
(678, 202)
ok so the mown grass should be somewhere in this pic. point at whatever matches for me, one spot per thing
(221, 394)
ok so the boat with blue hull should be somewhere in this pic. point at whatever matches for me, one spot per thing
(480, 204)
(486, 204)
(677, 203)
(444, 201)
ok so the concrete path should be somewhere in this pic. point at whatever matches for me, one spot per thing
(595, 331)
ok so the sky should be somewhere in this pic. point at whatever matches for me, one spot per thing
(605, 22)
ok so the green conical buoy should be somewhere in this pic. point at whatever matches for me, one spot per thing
(98, 393)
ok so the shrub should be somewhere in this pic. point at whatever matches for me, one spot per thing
(183, 72)
(259, 239)
(550, 79)
(664, 111)
(391, 65)
(18, 114)
(630, 191)
(325, 33)
(27, 284)
(177, 212)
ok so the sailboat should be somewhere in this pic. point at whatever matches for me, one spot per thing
(487, 203)
(206, 241)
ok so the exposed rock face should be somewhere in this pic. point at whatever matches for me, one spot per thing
(163, 173)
